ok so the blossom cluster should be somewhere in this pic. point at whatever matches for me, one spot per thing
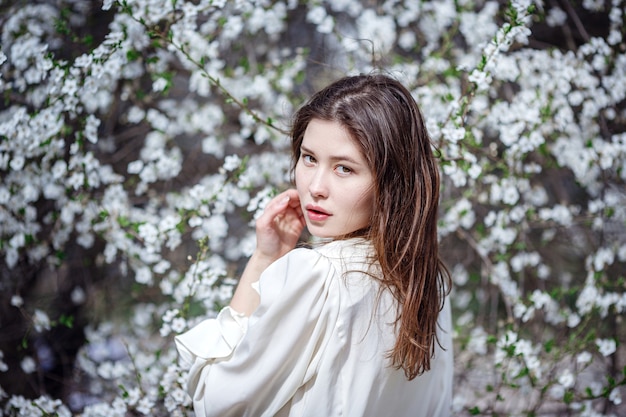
(143, 150)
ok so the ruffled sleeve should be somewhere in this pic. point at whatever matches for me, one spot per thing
(254, 367)
(211, 339)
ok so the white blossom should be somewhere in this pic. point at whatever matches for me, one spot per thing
(615, 396)
(606, 346)
(28, 365)
(178, 325)
(17, 301)
(481, 79)
(144, 276)
(556, 17)
(231, 162)
(567, 379)
(583, 358)
(381, 30)
(41, 321)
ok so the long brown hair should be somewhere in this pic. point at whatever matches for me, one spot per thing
(385, 121)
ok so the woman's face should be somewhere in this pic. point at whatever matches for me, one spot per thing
(334, 182)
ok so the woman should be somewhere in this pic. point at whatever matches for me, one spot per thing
(359, 324)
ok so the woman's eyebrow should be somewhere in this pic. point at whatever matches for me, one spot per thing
(334, 158)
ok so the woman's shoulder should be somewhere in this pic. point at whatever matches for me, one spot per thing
(342, 247)
(318, 265)
(329, 248)
(302, 274)
(346, 254)
(340, 255)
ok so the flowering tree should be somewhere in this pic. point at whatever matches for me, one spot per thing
(139, 139)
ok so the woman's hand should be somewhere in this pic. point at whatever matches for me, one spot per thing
(280, 226)
(277, 232)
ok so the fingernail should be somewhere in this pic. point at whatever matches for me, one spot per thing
(284, 200)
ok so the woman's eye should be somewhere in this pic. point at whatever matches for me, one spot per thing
(343, 169)
(308, 159)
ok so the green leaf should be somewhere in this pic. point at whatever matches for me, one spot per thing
(88, 40)
(133, 55)
(483, 62)
(549, 345)
(67, 321)
(568, 397)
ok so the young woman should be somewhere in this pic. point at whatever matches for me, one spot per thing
(358, 325)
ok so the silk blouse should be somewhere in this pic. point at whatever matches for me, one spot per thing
(316, 346)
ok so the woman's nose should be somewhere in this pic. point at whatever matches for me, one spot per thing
(318, 187)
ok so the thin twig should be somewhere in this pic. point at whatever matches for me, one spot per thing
(213, 80)
(577, 22)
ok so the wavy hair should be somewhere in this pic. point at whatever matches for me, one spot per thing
(384, 120)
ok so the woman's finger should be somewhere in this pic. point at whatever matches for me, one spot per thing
(279, 204)
(293, 210)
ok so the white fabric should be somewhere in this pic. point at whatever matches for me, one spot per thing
(311, 348)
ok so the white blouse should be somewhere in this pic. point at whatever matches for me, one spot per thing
(311, 348)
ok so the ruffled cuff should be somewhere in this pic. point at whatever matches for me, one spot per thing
(212, 338)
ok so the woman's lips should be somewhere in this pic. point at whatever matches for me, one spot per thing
(316, 214)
